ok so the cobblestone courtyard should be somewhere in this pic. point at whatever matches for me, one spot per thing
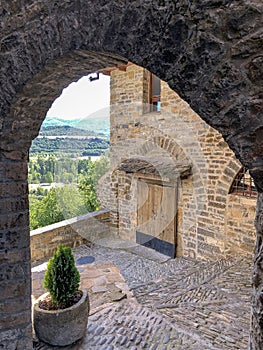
(159, 303)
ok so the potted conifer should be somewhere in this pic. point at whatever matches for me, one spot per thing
(61, 315)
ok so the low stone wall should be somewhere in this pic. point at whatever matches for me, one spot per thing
(73, 232)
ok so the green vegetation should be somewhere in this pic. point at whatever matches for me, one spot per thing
(74, 194)
(92, 146)
(62, 277)
(100, 124)
(56, 156)
(81, 138)
(58, 204)
(65, 130)
(41, 169)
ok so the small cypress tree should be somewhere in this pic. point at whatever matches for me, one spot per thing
(62, 277)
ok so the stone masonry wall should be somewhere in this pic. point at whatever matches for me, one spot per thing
(239, 224)
(15, 289)
(127, 89)
(73, 232)
(206, 227)
(225, 223)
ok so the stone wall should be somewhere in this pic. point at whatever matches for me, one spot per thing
(15, 283)
(239, 224)
(206, 227)
(72, 232)
(214, 231)
(127, 93)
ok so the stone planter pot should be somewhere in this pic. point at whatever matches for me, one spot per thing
(62, 327)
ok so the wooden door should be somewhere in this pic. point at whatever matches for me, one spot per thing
(156, 216)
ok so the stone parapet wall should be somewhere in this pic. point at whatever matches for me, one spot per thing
(73, 232)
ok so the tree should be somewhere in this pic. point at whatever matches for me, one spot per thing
(83, 166)
(70, 200)
(48, 177)
(88, 191)
(46, 211)
(62, 277)
(88, 183)
(59, 204)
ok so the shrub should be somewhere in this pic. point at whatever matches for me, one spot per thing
(62, 277)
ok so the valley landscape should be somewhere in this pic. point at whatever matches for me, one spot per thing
(67, 160)
(76, 138)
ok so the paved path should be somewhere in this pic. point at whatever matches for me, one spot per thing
(179, 304)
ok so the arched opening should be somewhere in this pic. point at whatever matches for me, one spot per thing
(240, 215)
(156, 144)
(243, 184)
(209, 53)
(182, 153)
(145, 184)
(65, 159)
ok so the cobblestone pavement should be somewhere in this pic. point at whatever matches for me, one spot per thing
(179, 304)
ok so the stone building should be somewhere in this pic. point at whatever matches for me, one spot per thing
(175, 184)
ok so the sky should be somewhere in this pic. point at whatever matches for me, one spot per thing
(82, 98)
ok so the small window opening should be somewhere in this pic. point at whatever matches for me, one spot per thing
(155, 93)
(243, 184)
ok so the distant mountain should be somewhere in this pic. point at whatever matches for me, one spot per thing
(64, 130)
(98, 125)
(50, 121)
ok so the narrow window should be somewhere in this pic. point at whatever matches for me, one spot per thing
(155, 93)
(243, 184)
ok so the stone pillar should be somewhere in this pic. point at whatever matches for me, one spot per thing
(15, 269)
(256, 335)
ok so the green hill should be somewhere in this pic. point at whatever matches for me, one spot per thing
(90, 137)
(99, 125)
(92, 146)
(65, 130)
(52, 121)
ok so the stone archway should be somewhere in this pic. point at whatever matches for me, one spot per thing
(209, 52)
